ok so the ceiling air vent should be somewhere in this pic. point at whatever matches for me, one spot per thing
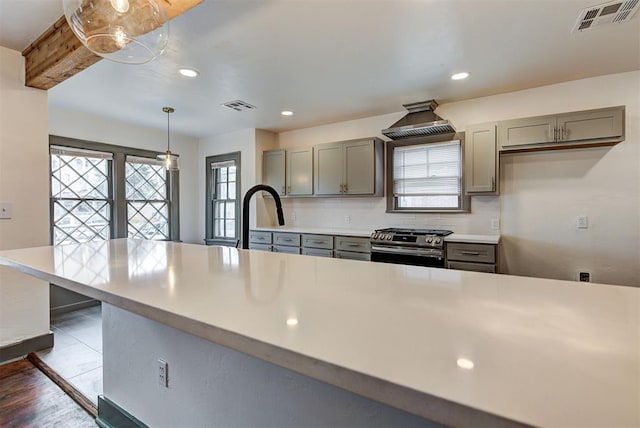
(238, 105)
(613, 12)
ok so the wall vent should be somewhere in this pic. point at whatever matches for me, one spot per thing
(613, 12)
(238, 105)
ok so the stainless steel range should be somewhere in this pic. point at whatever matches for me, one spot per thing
(419, 247)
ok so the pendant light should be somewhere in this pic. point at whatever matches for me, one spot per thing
(126, 31)
(170, 160)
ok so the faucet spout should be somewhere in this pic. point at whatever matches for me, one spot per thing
(245, 210)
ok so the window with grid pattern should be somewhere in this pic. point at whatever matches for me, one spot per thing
(147, 198)
(81, 196)
(224, 200)
(427, 177)
(101, 191)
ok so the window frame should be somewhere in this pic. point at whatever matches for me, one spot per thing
(210, 186)
(464, 201)
(117, 185)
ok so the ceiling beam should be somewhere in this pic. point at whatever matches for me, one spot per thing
(58, 54)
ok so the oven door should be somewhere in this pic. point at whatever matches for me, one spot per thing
(408, 256)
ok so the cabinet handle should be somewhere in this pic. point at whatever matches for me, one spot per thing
(342, 188)
(317, 242)
(350, 244)
(565, 133)
(289, 189)
(345, 188)
(470, 253)
(282, 189)
(259, 238)
(286, 239)
(493, 184)
(555, 134)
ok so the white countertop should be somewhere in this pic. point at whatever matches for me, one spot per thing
(455, 237)
(545, 352)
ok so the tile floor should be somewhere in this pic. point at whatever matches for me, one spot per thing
(77, 351)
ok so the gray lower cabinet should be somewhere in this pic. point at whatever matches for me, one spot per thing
(352, 248)
(472, 257)
(481, 159)
(286, 243)
(319, 252)
(346, 247)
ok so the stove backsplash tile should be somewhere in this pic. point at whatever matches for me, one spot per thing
(369, 213)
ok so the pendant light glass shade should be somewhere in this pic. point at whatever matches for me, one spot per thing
(170, 160)
(126, 31)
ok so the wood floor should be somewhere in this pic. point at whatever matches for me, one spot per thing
(28, 398)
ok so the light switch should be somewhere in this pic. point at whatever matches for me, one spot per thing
(5, 209)
(583, 222)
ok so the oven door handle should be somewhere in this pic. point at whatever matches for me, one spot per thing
(410, 252)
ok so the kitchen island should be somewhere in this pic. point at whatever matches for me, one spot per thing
(458, 348)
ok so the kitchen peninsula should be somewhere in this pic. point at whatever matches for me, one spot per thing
(458, 348)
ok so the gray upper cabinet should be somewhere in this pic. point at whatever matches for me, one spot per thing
(604, 123)
(290, 171)
(480, 159)
(273, 170)
(299, 175)
(577, 129)
(349, 168)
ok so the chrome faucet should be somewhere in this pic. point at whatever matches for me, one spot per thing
(245, 210)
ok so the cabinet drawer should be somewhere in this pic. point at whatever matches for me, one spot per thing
(290, 239)
(350, 255)
(285, 249)
(480, 253)
(317, 241)
(317, 252)
(474, 267)
(261, 247)
(258, 237)
(346, 243)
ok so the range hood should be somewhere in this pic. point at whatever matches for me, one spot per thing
(421, 121)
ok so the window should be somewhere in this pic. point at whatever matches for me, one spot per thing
(81, 196)
(425, 177)
(147, 198)
(223, 199)
(100, 191)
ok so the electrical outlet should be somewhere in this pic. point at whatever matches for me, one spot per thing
(582, 222)
(5, 209)
(584, 276)
(163, 373)
(347, 219)
(495, 223)
(293, 216)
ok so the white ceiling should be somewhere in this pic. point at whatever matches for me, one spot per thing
(331, 61)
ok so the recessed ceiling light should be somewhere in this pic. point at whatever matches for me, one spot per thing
(292, 321)
(460, 76)
(465, 363)
(188, 72)
(287, 113)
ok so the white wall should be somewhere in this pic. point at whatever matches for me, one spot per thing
(542, 193)
(24, 181)
(73, 124)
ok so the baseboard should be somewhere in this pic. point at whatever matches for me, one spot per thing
(110, 415)
(24, 347)
(59, 310)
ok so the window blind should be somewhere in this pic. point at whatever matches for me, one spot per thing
(427, 170)
(69, 151)
(147, 161)
(222, 164)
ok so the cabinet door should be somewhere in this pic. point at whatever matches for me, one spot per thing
(591, 125)
(359, 168)
(480, 158)
(273, 167)
(328, 167)
(300, 171)
(532, 130)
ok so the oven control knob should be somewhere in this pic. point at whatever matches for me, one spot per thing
(374, 236)
(437, 240)
(429, 240)
(388, 237)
